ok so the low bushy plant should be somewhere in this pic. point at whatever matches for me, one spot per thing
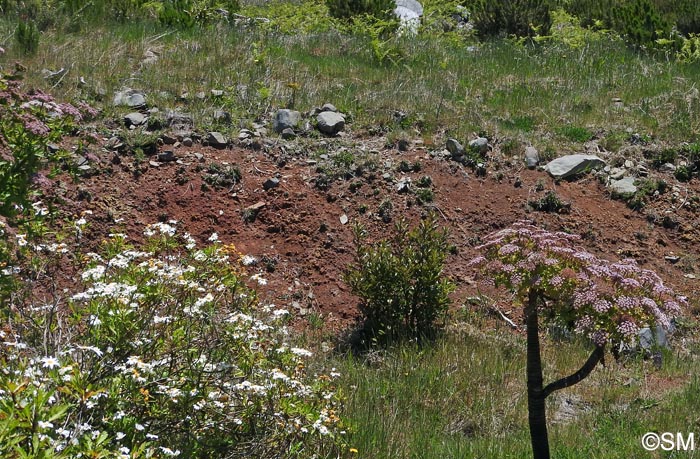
(402, 289)
(164, 352)
(522, 18)
(346, 9)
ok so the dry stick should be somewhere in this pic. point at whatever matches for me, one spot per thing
(505, 318)
(63, 76)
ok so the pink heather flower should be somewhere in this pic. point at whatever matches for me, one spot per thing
(41, 96)
(69, 109)
(600, 338)
(672, 307)
(556, 281)
(630, 283)
(601, 306)
(88, 110)
(34, 125)
(477, 261)
(627, 303)
(508, 249)
(627, 329)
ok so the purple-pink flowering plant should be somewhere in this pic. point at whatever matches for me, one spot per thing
(552, 275)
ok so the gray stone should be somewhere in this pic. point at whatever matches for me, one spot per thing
(479, 145)
(222, 116)
(284, 119)
(134, 119)
(649, 339)
(532, 157)
(343, 219)
(409, 13)
(667, 167)
(168, 139)
(271, 183)
(217, 140)
(288, 134)
(571, 165)
(328, 108)
(330, 123)
(187, 142)
(180, 123)
(130, 98)
(623, 186)
(166, 156)
(616, 173)
(404, 185)
(217, 93)
(455, 148)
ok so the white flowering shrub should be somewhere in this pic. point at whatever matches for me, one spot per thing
(164, 352)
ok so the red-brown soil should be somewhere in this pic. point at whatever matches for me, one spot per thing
(300, 229)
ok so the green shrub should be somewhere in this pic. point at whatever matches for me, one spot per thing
(346, 9)
(522, 18)
(403, 292)
(27, 37)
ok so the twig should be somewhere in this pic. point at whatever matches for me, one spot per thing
(505, 318)
(62, 77)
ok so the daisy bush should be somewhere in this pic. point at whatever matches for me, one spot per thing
(164, 352)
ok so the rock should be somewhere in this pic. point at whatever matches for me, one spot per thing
(330, 123)
(168, 139)
(479, 145)
(222, 116)
(649, 339)
(343, 219)
(217, 93)
(271, 183)
(130, 98)
(154, 163)
(571, 165)
(134, 119)
(201, 95)
(629, 164)
(166, 156)
(404, 185)
(403, 145)
(217, 140)
(455, 148)
(624, 186)
(532, 157)
(187, 142)
(288, 134)
(328, 108)
(409, 13)
(180, 123)
(667, 167)
(286, 119)
(616, 173)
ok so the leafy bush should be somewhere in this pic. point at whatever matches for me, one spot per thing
(346, 9)
(27, 37)
(403, 293)
(522, 18)
(637, 20)
(164, 352)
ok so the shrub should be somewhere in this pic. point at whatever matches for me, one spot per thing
(27, 37)
(346, 9)
(403, 293)
(164, 352)
(522, 18)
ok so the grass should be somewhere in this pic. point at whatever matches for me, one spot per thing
(497, 86)
(464, 396)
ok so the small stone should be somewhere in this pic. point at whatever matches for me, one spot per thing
(403, 144)
(201, 95)
(455, 148)
(479, 145)
(330, 123)
(166, 156)
(616, 173)
(53, 148)
(343, 219)
(217, 140)
(187, 142)
(154, 163)
(168, 139)
(222, 116)
(199, 157)
(624, 186)
(130, 98)
(284, 119)
(629, 164)
(271, 183)
(134, 119)
(217, 93)
(667, 167)
(672, 258)
(404, 185)
(288, 134)
(532, 157)
(571, 165)
(328, 108)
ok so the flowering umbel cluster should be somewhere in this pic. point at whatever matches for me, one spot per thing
(604, 300)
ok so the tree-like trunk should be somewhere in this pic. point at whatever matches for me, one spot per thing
(537, 415)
